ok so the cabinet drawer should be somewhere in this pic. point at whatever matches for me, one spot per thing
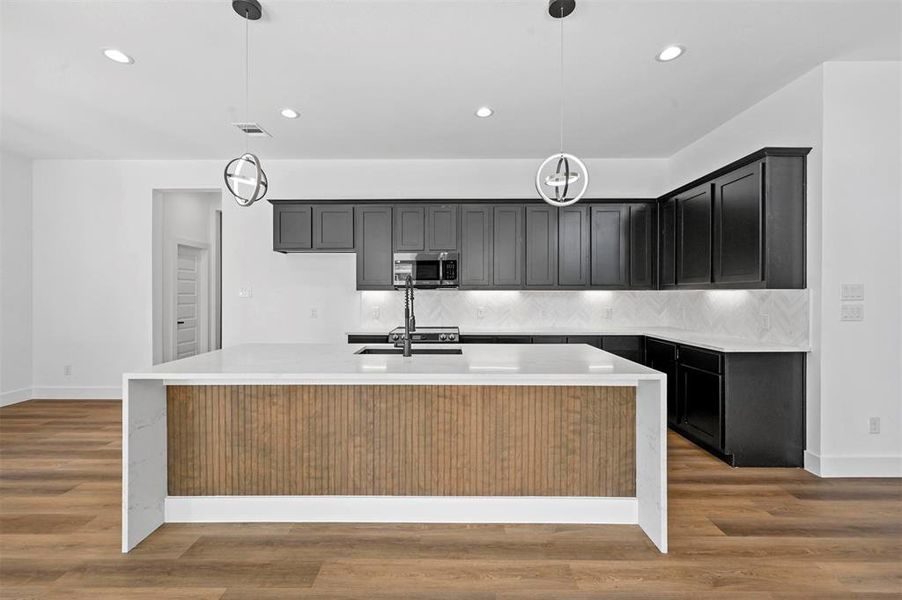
(513, 339)
(477, 339)
(549, 339)
(660, 350)
(592, 340)
(701, 359)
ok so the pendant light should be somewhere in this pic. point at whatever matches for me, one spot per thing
(244, 176)
(556, 187)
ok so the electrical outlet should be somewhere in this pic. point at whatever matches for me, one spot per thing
(67, 370)
(480, 312)
(851, 291)
(314, 313)
(376, 313)
(874, 425)
(245, 292)
(607, 313)
(765, 322)
(851, 312)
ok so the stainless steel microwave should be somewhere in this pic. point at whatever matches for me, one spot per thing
(427, 269)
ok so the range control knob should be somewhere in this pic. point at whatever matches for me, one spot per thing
(442, 337)
(452, 337)
(395, 337)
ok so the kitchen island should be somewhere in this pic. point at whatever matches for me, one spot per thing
(321, 432)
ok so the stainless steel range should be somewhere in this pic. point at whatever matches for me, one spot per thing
(427, 335)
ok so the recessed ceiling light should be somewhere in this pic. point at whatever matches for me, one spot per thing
(290, 113)
(484, 111)
(670, 53)
(118, 56)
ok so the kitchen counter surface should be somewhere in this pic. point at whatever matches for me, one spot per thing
(719, 343)
(485, 364)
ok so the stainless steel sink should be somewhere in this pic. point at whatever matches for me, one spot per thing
(399, 351)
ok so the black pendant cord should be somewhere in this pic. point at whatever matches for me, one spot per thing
(561, 19)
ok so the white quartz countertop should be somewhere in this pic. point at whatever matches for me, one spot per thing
(479, 364)
(719, 343)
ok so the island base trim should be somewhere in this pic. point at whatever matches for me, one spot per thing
(401, 509)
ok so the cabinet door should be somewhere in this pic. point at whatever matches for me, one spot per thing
(507, 246)
(667, 243)
(374, 247)
(661, 356)
(292, 227)
(410, 228)
(573, 246)
(333, 227)
(630, 347)
(701, 395)
(610, 234)
(642, 246)
(693, 239)
(541, 246)
(441, 227)
(739, 226)
(475, 246)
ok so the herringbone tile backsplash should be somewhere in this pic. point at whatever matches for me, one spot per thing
(778, 316)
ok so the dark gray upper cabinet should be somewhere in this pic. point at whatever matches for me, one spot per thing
(573, 246)
(738, 226)
(507, 246)
(410, 228)
(374, 247)
(475, 245)
(693, 236)
(642, 246)
(441, 227)
(667, 243)
(541, 246)
(292, 227)
(610, 235)
(333, 227)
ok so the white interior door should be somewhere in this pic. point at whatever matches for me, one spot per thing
(189, 302)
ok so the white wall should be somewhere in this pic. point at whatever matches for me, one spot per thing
(862, 195)
(15, 278)
(93, 263)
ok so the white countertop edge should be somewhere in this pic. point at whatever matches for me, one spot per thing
(626, 380)
(688, 338)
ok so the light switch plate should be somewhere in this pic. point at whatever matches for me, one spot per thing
(852, 291)
(851, 312)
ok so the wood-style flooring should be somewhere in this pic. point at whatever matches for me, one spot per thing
(734, 533)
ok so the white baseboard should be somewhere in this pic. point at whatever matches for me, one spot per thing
(853, 466)
(77, 393)
(400, 509)
(15, 396)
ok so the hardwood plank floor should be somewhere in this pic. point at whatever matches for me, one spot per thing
(762, 534)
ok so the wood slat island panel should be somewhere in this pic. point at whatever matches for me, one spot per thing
(401, 440)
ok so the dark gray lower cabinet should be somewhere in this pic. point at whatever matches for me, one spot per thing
(507, 247)
(541, 246)
(746, 408)
(662, 356)
(374, 247)
(574, 246)
(610, 236)
(630, 347)
(333, 227)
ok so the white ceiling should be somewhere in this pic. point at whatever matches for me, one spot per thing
(390, 79)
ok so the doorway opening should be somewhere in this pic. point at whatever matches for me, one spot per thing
(187, 273)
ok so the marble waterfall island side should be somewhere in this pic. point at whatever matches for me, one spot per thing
(554, 433)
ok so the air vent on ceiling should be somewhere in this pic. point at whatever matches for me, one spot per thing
(252, 129)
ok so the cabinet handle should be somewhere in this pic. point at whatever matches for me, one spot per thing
(179, 322)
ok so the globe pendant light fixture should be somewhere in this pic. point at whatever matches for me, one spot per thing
(567, 180)
(244, 176)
